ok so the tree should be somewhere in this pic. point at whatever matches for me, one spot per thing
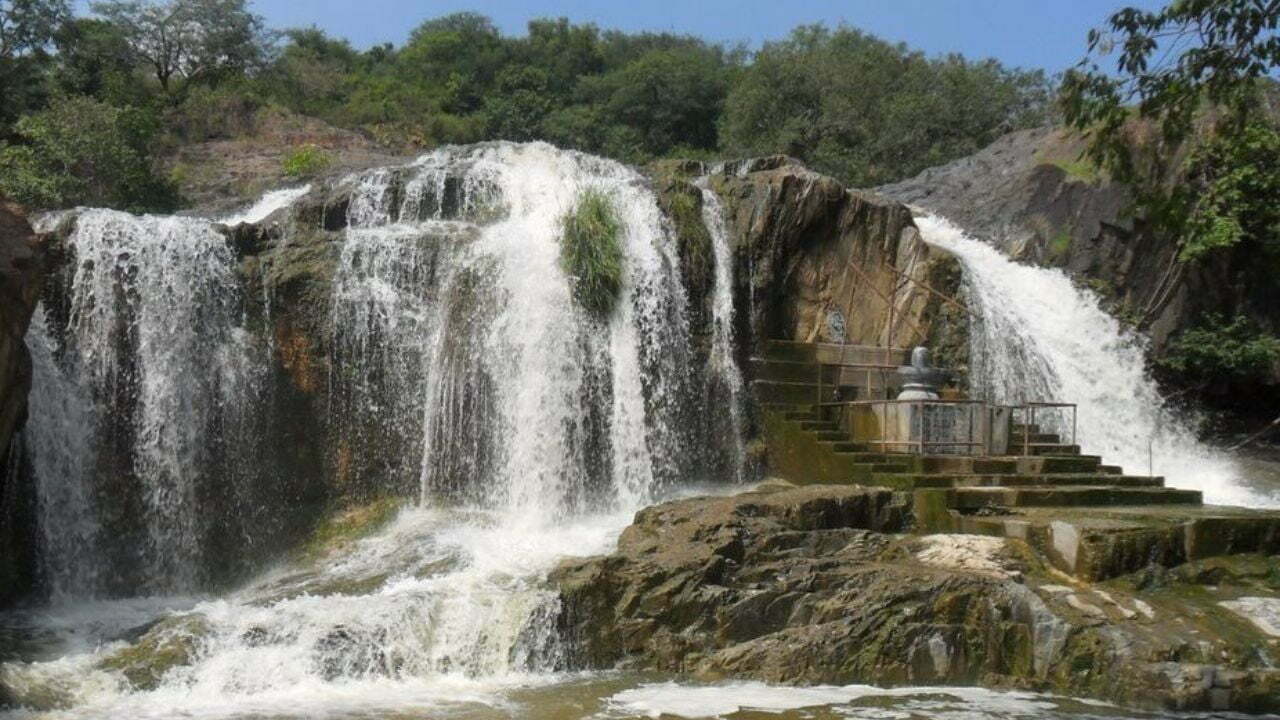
(1184, 120)
(81, 151)
(190, 40)
(94, 58)
(27, 25)
(660, 100)
(870, 112)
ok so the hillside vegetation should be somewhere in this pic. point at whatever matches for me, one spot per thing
(93, 101)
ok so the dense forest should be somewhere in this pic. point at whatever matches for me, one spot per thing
(91, 101)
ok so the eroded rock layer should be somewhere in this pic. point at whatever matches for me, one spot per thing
(815, 585)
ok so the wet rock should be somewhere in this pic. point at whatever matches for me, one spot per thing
(22, 269)
(814, 585)
(169, 644)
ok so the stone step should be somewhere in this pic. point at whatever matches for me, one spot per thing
(1110, 469)
(1016, 428)
(847, 448)
(867, 471)
(911, 481)
(1071, 496)
(831, 436)
(963, 464)
(1017, 439)
(1059, 464)
(819, 425)
(1051, 449)
(1097, 543)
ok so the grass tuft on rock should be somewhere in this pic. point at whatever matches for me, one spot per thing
(591, 252)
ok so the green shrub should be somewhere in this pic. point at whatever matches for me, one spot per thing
(81, 151)
(591, 252)
(306, 161)
(1217, 350)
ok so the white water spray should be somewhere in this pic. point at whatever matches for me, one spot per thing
(1044, 339)
(724, 365)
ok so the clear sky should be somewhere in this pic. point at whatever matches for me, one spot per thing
(1047, 34)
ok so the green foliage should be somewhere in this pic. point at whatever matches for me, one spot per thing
(190, 41)
(30, 25)
(1189, 83)
(1218, 350)
(1233, 184)
(591, 252)
(306, 161)
(84, 152)
(868, 112)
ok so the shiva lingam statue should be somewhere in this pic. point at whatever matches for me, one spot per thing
(920, 382)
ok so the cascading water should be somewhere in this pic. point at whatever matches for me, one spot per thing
(142, 369)
(469, 353)
(1044, 339)
(724, 365)
(463, 374)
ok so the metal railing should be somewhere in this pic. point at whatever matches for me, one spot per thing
(941, 426)
(916, 426)
(1029, 411)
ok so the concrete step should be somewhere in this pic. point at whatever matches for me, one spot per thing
(1097, 543)
(1071, 496)
(1111, 469)
(911, 481)
(847, 448)
(1059, 464)
(819, 425)
(1050, 449)
(1017, 439)
(1016, 428)
(954, 464)
(831, 436)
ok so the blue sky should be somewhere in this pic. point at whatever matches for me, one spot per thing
(1047, 34)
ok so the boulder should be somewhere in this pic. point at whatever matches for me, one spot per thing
(816, 585)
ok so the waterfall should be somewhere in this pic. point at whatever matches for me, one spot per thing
(471, 360)
(59, 434)
(724, 365)
(462, 375)
(142, 371)
(1044, 339)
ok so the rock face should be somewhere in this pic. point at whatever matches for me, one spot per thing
(813, 585)
(1031, 194)
(808, 246)
(21, 272)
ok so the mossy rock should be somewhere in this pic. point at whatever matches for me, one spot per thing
(172, 643)
(339, 531)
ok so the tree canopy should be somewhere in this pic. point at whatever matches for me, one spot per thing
(1188, 117)
(844, 101)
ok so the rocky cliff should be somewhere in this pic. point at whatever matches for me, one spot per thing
(814, 585)
(21, 273)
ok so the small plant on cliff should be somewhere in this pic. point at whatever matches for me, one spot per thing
(1218, 350)
(591, 252)
(306, 161)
